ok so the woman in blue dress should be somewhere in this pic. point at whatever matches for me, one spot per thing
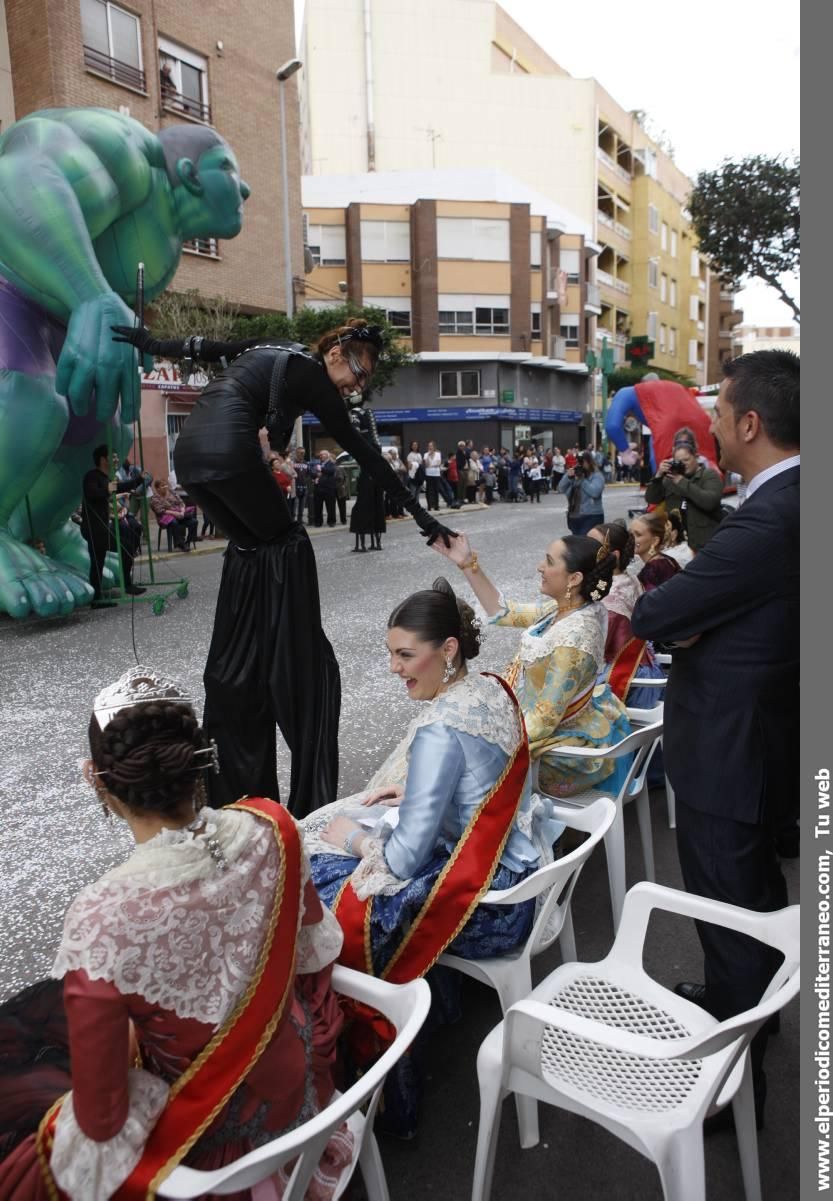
(427, 805)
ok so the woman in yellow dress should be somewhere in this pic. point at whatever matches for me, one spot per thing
(561, 653)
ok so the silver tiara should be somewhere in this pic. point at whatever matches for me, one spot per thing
(139, 686)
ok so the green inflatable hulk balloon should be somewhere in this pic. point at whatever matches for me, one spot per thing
(85, 195)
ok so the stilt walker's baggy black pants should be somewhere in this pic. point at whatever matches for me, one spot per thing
(269, 661)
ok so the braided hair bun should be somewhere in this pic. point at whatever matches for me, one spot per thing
(469, 636)
(437, 613)
(595, 562)
(147, 756)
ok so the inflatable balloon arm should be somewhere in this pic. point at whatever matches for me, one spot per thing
(624, 403)
(68, 200)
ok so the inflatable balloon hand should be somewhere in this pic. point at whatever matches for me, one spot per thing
(92, 361)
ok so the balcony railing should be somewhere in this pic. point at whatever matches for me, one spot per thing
(602, 277)
(621, 286)
(605, 158)
(206, 247)
(558, 347)
(622, 231)
(592, 295)
(701, 284)
(113, 69)
(175, 102)
(612, 339)
(603, 219)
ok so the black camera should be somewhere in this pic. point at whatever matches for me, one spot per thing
(677, 468)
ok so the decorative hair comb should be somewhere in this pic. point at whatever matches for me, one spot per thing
(604, 549)
(139, 686)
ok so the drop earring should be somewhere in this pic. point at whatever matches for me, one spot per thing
(448, 674)
(569, 594)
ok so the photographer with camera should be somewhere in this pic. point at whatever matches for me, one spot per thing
(685, 483)
(584, 485)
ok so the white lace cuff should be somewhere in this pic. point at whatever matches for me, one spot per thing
(373, 877)
(319, 944)
(484, 618)
(88, 1170)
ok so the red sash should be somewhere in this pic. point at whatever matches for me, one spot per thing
(461, 884)
(625, 665)
(205, 1087)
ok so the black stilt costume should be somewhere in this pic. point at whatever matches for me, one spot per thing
(368, 515)
(269, 659)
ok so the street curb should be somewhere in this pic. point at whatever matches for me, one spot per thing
(312, 531)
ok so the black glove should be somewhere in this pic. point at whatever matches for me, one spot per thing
(430, 528)
(138, 336)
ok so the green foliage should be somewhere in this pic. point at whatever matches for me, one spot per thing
(629, 377)
(746, 216)
(179, 314)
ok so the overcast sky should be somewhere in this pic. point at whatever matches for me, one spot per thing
(720, 77)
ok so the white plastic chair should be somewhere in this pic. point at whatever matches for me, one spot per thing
(640, 744)
(552, 886)
(636, 718)
(605, 1041)
(406, 1007)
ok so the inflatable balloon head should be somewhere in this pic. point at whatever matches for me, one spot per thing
(667, 408)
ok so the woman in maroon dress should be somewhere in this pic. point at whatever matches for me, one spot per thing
(197, 1007)
(650, 533)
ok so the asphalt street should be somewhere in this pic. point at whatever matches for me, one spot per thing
(55, 838)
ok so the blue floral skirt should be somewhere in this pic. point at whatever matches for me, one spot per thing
(491, 929)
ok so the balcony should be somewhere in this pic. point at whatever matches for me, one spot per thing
(558, 347)
(113, 69)
(175, 102)
(701, 325)
(591, 296)
(602, 277)
(622, 230)
(701, 284)
(621, 286)
(603, 219)
(620, 172)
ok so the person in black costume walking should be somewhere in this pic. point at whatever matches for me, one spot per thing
(269, 659)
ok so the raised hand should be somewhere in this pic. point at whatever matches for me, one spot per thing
(458, 552)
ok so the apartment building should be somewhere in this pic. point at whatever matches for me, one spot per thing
(723, 334)
(383, 93)
(750, 338)
(6, 89)
(487, 284)
(164, 62)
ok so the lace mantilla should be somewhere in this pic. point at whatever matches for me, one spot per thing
(625, 591)
(87, 1170)
(168, 926)
(475, 705)
(584, 630)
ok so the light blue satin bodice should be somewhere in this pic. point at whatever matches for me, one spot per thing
(449, 774)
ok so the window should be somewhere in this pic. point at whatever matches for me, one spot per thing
(459, 383)
(663, 236)
(570, 261)
(652, 325)
(569, 328)
(692, 352)
(397, 311)
(672, 341)
(693, 307)
(662, 339)
(672, 297)
(653, 273)
(695, 264)
(663, 287)
(653, 218)
(479, 238)
(386, 241)
(112, 43)
(473, 314)
(535, 320)
(328, 245)
(207, 247)
(673, 243)
(183, 78)
(535, 250)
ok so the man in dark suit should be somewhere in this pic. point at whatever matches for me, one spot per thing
(731, 709)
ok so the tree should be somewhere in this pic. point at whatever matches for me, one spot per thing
(179, 314)
(629, 377)
(746, 217)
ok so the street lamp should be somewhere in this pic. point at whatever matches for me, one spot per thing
(283, 73)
